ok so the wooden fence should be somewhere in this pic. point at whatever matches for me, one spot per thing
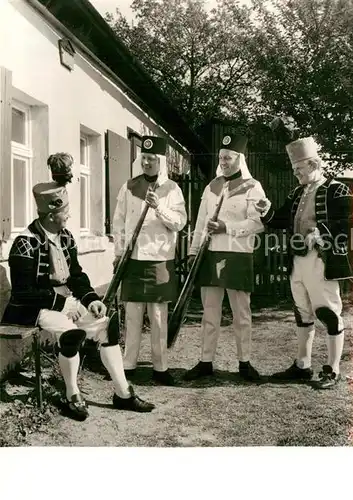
(271, 283)
(192, 188)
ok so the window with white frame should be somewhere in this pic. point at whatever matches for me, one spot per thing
(85, 180)
(21, 167)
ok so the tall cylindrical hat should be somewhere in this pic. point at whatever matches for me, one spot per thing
(234, 142)
(154, 145)
(302, 149)
(50, 197)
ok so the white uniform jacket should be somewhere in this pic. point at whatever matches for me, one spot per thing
(238, 213)
(158, 235)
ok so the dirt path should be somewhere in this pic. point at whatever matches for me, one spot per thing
(219, 412)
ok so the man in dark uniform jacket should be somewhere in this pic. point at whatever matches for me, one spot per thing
(317, 215)
(49, 289)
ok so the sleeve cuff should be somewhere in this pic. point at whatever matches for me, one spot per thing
(268, 215)
(237, 232)
(88, 298)
(158, 211)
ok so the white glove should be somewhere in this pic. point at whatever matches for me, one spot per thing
(313, 238)
(71, 309)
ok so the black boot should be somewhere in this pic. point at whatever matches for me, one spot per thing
(248, 372)
(163, 378)
(293, 373)
(202, 369)
(133, 403)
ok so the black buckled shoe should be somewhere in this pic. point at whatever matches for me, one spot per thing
(328, 379)
(75, 408)
(133, 403)
(163, 378)
(293, 373)
(248, 372)
(202, 369)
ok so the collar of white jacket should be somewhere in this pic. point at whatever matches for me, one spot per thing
(245, 173)
(163, 170)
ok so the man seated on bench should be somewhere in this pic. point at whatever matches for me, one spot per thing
(49, 289)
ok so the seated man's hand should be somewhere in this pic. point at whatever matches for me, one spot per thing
(216, 227)
(74, 315)
(71, 309)
(97, 308)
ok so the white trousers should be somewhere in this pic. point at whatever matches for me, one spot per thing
(212, 298)
(57, 322)
(310, 290)
(158, 316)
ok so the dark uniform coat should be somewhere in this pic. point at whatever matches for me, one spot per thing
(29, 269)
(334, 212)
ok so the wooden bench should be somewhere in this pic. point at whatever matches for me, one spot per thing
(20, 332)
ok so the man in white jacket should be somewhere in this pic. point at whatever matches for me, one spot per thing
(228, 264)
(150, 278)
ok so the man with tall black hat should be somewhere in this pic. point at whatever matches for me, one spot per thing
(317, 216)
(150, 280)
(49, 289)
(228, 264)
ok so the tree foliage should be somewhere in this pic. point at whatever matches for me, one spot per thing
(290, 57)
(198, 58)
(304, 53)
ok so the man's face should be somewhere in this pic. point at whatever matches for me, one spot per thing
(59, 220)
(229, 162)
(150, 164)
(304, 171)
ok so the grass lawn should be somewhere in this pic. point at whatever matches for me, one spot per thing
(219, 411)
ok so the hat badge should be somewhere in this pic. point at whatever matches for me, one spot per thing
(226, 140)
(147, 144)
(55, 204)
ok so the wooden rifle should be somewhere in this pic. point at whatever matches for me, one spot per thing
(182, 304)
(120, 269)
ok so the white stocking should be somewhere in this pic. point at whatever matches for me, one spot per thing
(335, 349)
(112, 359)
(69, 368)
(305, 335)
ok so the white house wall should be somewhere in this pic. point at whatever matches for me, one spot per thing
(82, 97)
